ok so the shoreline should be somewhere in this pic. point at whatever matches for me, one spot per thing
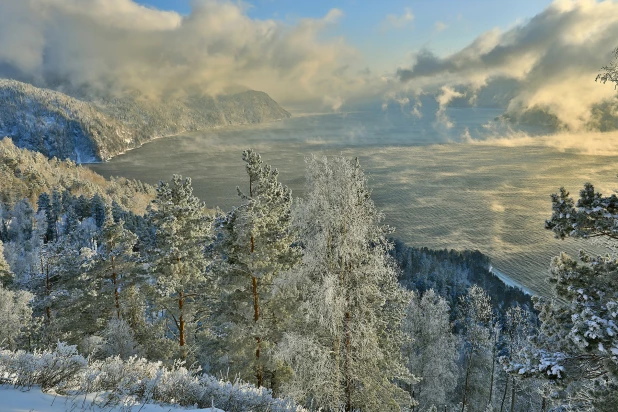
(152, 139)
(509, 281)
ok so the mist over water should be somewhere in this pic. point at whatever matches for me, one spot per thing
(475, 185)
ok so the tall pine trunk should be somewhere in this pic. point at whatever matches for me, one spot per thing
(513, 394)
(259, 374)
(116, 290)
(506, 386)
(466, 384)
(47, 289)
(493, 368)
(181, 319)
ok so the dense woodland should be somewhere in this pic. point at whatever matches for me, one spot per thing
(300, 303)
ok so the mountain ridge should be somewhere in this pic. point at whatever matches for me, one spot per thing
(76, 127)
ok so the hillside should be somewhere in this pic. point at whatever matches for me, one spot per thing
(27, 174)
(85, 127)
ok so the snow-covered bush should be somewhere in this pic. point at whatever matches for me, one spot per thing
(118, 339)
(60, 369)
(131, 381)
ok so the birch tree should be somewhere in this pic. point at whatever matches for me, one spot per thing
(431, 349)
(344, 348)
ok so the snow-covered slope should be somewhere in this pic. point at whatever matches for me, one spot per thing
(34, 400)
(84, 127)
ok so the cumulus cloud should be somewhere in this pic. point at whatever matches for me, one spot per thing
(119, 45)
(394, 21)
(554, 58)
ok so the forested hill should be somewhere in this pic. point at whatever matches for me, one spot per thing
(84, 126)
(451, 272)
(25, 174)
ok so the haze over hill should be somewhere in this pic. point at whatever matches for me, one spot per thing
(92, 127)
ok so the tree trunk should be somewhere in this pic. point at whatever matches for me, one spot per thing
(506, 386)
(346, 364)
(47, 290)
(543, 404)
(465, 394)
(116, 291)
(181, 320)
(493, 368)
(513, 394)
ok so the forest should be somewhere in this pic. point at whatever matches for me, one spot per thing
(141, 293)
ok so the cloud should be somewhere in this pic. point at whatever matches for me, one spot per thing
(440, 26)
(446, 95)
(119, 45)
(393, 21)
(554, 58)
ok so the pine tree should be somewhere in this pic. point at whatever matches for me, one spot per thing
(255, 243)
(183, 230)
(97, 209)
(116, 254)
(578, 338)
(44, 205)
(6, 275)
(345, 345)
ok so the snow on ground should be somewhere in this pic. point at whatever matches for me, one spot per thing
(34, 400)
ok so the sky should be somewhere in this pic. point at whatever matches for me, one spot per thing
(524, 55)
(387, 32)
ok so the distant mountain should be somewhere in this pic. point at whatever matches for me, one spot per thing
(87, 127)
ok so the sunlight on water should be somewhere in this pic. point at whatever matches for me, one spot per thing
(459, 188)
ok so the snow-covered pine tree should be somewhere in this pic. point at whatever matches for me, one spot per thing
(183, 229)
(345, 345)
(255, 245)
(578, 339)
(116, 252)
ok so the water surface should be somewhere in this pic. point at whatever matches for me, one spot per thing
(435, 187)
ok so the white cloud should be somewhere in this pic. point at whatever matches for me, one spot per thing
(394, 21)
(440, 26)
(119, 44)
(447, 94)
(554, 57)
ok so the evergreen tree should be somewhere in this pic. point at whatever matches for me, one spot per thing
(578, 338)
(255, 243)
(6, 275)
(345, 348)
(97, 209)
(117, 254)
(56, 213)
(178, 260)
(44, 205)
